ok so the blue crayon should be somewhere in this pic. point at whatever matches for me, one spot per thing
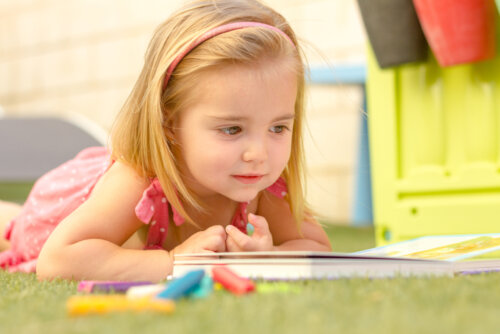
(204, 289)
(183, 285)
(250, 229)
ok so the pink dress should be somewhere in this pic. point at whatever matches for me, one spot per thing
(59, 192)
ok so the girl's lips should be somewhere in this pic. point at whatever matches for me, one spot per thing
(248, 179)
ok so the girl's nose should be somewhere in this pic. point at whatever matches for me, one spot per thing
(256, 151)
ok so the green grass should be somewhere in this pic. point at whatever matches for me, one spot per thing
(350, 239)
(466, 304)
(15, 191)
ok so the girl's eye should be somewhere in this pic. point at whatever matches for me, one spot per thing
(278, 128)
(232, 130)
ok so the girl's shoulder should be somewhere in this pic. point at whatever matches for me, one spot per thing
(144, 194)
(124, 177)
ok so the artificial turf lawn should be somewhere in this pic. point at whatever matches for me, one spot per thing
(464, 304)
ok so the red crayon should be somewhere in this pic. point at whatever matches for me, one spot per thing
(231, 281)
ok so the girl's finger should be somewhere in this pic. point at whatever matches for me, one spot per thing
(216, 243)
(216, 230)
(241, 240)
(231, 246)
(259, 223)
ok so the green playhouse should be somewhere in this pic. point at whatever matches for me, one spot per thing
(435, 148)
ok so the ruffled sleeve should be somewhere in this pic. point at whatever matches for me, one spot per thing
(153, 209)
(147, 206)
(278, 188)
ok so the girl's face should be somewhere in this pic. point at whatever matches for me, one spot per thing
(235, 139)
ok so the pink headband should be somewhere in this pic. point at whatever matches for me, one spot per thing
(214, 32)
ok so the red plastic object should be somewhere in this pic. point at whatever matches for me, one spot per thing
(231, 281)
(458, 31)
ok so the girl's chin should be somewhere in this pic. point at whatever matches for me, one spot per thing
(243, 197)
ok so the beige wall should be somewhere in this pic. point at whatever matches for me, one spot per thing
(82, 56)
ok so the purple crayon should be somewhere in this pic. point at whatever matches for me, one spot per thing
(108, 286)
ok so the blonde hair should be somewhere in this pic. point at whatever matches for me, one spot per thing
(139, 136)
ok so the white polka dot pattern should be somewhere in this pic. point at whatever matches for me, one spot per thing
(54, 196)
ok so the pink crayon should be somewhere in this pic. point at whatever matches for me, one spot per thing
(231, 281)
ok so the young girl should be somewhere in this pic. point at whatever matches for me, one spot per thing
(208, 143)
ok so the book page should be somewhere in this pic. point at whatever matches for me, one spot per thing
(449, 248)
(459, 250)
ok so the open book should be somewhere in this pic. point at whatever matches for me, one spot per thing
(426, 256)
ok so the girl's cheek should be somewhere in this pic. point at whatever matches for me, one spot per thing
(282, 151)
(217, 159)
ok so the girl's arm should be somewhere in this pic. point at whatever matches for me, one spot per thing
(87, 244)
(284, 229)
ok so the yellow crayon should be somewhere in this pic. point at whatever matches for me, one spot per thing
(100, 304)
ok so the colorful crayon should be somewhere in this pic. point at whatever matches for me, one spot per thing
(108, 286)
(183, 285)
(205, 288)
(101, 304)
(137, 292)
(250, 229)
(231, 281)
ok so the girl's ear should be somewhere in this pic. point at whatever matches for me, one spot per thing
(169, 133)
(169, 129)
(168, 124)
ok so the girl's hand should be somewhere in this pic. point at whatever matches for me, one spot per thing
(211, 240)
(261, 239)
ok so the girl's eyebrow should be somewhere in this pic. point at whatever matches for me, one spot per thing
(239, 118)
